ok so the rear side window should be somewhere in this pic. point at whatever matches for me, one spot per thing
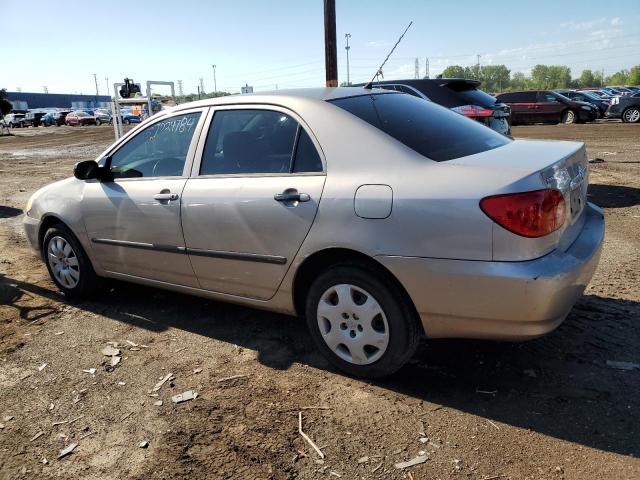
(429, 129)
(548, 97)
(257, 141)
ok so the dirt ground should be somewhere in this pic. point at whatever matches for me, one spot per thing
(546, 409)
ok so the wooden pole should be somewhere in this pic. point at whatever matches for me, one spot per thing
(330, 45)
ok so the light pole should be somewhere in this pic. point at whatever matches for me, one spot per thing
(347, 48)
(215, 84)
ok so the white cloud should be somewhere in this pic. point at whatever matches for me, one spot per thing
(586, 25)
(616, 21)
(378, 44)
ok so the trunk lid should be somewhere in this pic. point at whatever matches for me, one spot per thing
(526, 165)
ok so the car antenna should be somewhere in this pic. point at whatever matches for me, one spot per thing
(369, 85)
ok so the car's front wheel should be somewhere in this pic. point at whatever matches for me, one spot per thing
(361, 322)
(68, 265)
(631, 115)
(98, 122)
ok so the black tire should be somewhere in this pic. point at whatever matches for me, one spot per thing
(98, 122)
(631, 115)
(88, 280)
(569, 117)
(127, 122)
(404, 326)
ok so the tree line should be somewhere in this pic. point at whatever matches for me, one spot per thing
(498, 78)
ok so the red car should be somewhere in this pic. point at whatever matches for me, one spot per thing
(545, 106)
(79, 118)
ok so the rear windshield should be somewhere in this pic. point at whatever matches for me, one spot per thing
(472, 95)
(429, 129)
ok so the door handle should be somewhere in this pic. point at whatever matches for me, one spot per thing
(165, 196)
(291, 197)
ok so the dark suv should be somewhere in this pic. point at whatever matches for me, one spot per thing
(627, 108)
(587, 97)
(458, 94)
(545, 106)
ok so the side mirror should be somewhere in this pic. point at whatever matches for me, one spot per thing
(86, 170)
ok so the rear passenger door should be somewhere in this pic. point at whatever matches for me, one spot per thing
(251, 199)
(550, 108)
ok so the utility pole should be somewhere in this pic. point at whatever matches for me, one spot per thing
(107, 80)
(95, 79)
(199, 91)
(478, 68)
(215, 83)
(416, 73)
(46, 90)
(330, 47)
(180, 91)
(427, 68)
(201, 86)
(347, 48)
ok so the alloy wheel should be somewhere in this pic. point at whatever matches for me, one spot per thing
(632, 115)
(353, 324)
(63, 262)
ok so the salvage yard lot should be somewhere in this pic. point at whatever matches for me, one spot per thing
(552, 408)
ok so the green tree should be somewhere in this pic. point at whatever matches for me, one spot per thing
(587, 79)
(546, 77)
(634, 76)
(455, 71)
(518, 81)
(618, 78)
(5, 105)
(495, 78)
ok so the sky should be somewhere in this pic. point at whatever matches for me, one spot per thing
(271, 44)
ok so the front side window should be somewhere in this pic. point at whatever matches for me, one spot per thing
(431, 130)
(547, 97)
(160, 150)
(257, 141)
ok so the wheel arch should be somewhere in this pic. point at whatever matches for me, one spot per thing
(321, 260)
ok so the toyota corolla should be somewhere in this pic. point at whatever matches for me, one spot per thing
(377, 216)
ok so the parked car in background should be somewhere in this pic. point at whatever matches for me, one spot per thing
(600, 103)
(14, 120)
(458, 94)
(626, 108)
(78, 117)
(54, 118)
(623, 91)
(597, 92)
(128, 118)
(545, 106)
(32, 118)
(377, 216)
(102, 116)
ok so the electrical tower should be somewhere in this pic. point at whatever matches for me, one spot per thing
(417, 69)
(46, 90)
(202, 86)
(180, 92)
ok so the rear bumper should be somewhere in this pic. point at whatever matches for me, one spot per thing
(501, 300)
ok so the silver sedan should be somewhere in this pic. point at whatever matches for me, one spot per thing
(377, 216)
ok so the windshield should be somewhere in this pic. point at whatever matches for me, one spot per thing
(429, 129)
(81, 114)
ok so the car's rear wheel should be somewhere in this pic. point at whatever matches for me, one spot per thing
(360, 322)
(67, 263)
(631, 115)
(127, 122)
(98, 122)
(569, 116)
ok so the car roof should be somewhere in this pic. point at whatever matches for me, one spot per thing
(282, 97)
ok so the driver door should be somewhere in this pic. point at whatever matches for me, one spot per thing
(133, 222)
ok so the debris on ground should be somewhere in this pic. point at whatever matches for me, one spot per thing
(597, 160)
(623, 365)
(25, 375)
(89, 370)
(110, 351)
(143, 444)
(185, 396)
(59, 333)
(158, 385)
(158, 403)
(41, 367)
(197, 370)
(37, 436)
(232, 377)
(306, 437)
(424, 439)
(410, 463)
(8, 418)
(364, 459)
(67, 450)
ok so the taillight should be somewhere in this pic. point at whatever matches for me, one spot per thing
(473, 111)
(529, 214)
